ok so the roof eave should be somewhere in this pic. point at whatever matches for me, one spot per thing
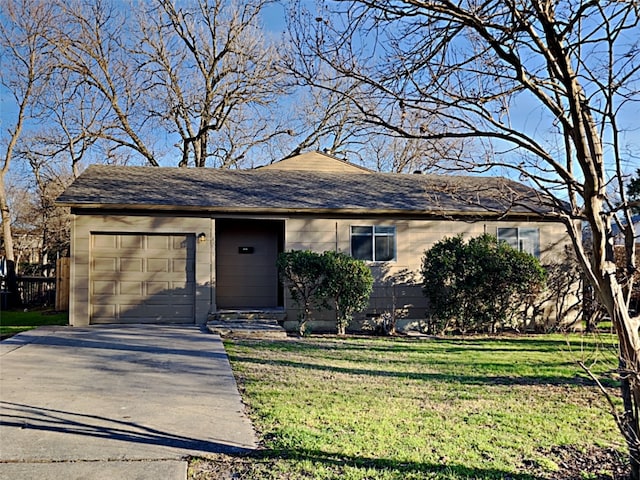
(300, 211)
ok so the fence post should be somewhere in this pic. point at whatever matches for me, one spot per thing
(62, 284)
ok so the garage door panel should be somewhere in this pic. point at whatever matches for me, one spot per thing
(104, 288)
(157, 265)
(156, 288)
(166, 297)
(131, 265)
(131, 288)
(157, 312)
(133, 242)
(105, 264)
(142, 278)
(175, 300)
(159, 242)
(104, 241)
(103, 311)
(115, 300)
(179, 243)
(178, 265)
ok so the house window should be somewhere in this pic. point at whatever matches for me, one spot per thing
(376, 243)
(522, 239)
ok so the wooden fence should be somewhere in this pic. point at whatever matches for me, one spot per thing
(62, 283)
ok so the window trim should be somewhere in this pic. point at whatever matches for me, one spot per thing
(374, 235)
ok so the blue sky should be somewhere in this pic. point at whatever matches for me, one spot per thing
(524, 115)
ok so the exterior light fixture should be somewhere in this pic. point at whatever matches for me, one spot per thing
(202, 237)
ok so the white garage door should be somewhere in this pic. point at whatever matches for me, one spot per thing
(142, 278)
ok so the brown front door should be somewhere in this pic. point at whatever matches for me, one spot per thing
(246, 271)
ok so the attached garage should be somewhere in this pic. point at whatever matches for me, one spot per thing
(142, 278)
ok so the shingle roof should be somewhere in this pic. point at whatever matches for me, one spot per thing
(264, 190)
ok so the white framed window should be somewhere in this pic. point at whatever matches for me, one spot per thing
(373, 243)
(522, 239)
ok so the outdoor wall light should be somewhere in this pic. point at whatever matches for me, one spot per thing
(202, 237)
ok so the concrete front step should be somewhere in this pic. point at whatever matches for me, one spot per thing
(248, 323)
(247, 329)
(266, 315)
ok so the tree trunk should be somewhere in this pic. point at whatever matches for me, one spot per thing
(630, 423)
(13, 300)
(626, 329)
(6, 222)
(306, 314)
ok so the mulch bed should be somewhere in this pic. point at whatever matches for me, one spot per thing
(591, 463)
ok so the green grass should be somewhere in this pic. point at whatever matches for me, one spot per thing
(16, 321)
(381, 408)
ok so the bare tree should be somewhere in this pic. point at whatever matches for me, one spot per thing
(24, 73)
(199, 76)
(52, 223)
(349, 100)
(214, 76)
(24, 217)
(390, 153)
(76, 119)
(94, 48)
(545, 86)
(321, 120)
(40, 228)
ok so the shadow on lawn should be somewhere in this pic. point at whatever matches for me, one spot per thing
(486, 379)
(338, 463)
(444, 346)
(530, 343)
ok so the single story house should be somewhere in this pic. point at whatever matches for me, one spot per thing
(176, 245)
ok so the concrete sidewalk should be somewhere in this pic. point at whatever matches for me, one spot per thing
(116, 402)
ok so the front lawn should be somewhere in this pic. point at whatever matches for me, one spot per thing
(16, 321)
(401, 408)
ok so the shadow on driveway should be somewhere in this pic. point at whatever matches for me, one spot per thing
(124, 393)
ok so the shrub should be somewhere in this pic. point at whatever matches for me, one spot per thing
(349, 283)
(477, 285)
(314, 278)
(304, 273)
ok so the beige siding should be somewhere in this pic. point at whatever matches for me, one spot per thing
(398, 283)
(316, 162)
(315, 234)
(85, 225)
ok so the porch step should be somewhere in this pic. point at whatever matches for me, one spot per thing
(266, 315)
(248, 323)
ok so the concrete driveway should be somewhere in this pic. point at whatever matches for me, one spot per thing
(116, 402)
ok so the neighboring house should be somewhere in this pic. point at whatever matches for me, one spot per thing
(166, 245)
